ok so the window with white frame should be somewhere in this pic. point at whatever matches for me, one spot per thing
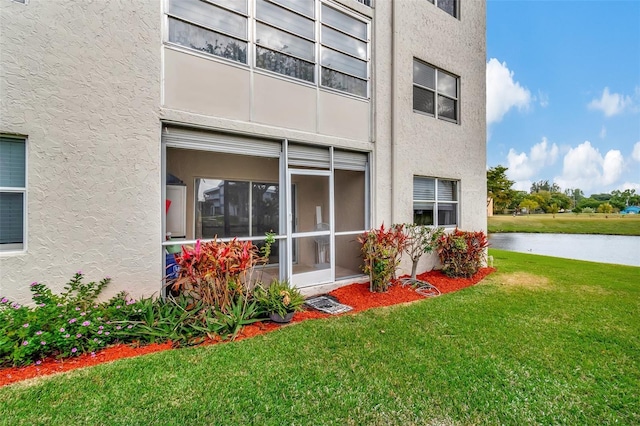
(217, 27)
(12, 193)
(344, 52)
(449, 6)
(435, 92)
(435, 201)
(285, 39)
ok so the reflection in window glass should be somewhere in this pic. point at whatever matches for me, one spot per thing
(447, 108)
(284, 64)
(285, 19)
(305, 7)
(11, 220)
(449, 6)
(447, 84)
(423, 100)
(341, 62)
(344, 22)
(424, 75)
(344, 82)
(210, 16)
(284, 42)
(237, 5)
(207, 41)
(339, 41)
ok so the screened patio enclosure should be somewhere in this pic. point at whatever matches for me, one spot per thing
(315, 199)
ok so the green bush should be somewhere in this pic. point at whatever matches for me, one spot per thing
(462, 253)
(62, 325)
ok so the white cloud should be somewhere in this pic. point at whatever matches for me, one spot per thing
(603, 132)
(611, 103)
(630, 185)
(523, 167)
(585, 168)
(503, 93)
(635, 154)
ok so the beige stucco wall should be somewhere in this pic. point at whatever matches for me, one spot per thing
(82, 81)
(417, 144)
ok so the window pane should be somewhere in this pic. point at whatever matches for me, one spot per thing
(237, 5)
(447, 108)
(264, 210)
(344, 22)
(210, 16)
(341, 62)
(12, 162)
(305, 7)
(343, 42)
(449, 6)
(11, 218)
(283, 64)
(447, 84)
(447, 190)
(223, 208)
(424, 75)
(424, 189)
(346, 83)
(423, 100)
(284, 42)
(423, 215)
(285, 19)
(207, 41)
(447, 214)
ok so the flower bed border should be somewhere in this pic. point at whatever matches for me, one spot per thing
(356, 295)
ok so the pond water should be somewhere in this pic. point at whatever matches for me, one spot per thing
(623, 250)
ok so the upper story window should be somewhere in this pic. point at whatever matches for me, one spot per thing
(449, 6)
(435, 201)
(344, 52)
(12, 193)
(219, 29)
(303, 39)
(435, 92)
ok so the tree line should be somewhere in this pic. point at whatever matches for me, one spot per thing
(547, 197)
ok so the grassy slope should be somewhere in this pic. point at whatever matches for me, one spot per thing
(567, 223)
(543, 340)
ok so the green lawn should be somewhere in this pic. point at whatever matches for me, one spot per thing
(542, 341)
(567, 223)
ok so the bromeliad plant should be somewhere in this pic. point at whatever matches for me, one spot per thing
(462, 253)
(381, 250)
(216, 272)
(278, 298)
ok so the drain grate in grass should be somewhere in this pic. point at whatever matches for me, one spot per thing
(327, 304)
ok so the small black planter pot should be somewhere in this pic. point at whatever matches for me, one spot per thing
(276, 317)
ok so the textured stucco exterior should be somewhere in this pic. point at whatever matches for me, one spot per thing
(82, 81)
(91, 84)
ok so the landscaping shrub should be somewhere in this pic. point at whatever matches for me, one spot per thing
(63, 325)
(381, 250)
(462, 253)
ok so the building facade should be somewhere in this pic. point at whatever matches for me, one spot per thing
(127, 128)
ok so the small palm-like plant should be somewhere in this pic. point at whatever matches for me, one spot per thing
(278, 298)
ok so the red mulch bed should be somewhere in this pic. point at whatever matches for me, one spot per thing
(355, 295)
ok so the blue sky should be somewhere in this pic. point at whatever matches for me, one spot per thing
(563, 92)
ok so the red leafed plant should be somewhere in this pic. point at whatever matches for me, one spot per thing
(462, 253)
(382, 249)
(216, 272)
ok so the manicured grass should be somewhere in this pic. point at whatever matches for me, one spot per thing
(567, 223)
(541, 341)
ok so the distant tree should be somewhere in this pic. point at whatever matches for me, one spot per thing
(589, 203)
(622, 199)
(542, 198)
(562, 200)
(601, 197)
(541, 185)
(553, 209)
(605, 208)
(529, 204)
(588, 210)
(575, 195)
(499, 188)
(517, 198)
